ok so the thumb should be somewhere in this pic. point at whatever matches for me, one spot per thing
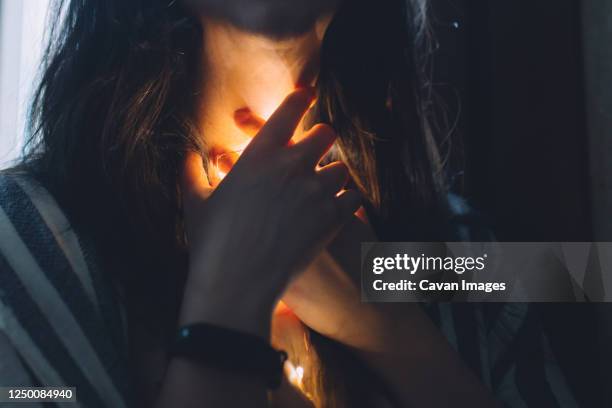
(194, 179)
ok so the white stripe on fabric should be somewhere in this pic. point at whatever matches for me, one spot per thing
(507, 391)
(556, 379)
(59, 226)
(45, 295)
(507, 325)
(30, 352)
(447, 324)
(485, 364)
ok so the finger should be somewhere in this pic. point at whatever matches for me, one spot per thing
(333, 177)
(347, 202)
(227, 160)
(248, 122)
(315, 144)
(279, 129)
(193, 177)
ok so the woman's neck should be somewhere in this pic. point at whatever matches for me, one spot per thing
(250, 73)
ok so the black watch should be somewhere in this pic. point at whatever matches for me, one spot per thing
(230, 350)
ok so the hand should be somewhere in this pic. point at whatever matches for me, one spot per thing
(327, 298)
(264, 222)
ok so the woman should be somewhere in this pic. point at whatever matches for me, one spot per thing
(199, 187)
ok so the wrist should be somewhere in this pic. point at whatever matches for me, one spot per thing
(372, 332)
(230, 350)
(226, 309)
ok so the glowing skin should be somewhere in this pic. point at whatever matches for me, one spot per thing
(246, 76)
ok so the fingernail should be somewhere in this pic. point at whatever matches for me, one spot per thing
(242, 114)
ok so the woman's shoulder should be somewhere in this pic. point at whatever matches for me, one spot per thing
(52, 308)
(14, 183)
(38, 242)
(28, 206)
(35, 228)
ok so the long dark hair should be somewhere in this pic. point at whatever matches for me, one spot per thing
(114, 115)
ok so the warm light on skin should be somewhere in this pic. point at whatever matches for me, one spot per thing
(244, 71)
(224, 160)
(289, 334)
(295, 374)
(221, 173)
(281, 307)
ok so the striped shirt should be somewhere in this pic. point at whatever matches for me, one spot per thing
(62, 325)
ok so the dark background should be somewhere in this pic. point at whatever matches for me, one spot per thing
(511, 76)
(515, 67)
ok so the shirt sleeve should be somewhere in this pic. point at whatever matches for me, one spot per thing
(48, 313)
(523, 369)
(13, 372)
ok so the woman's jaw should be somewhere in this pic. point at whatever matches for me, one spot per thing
(272, 18)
